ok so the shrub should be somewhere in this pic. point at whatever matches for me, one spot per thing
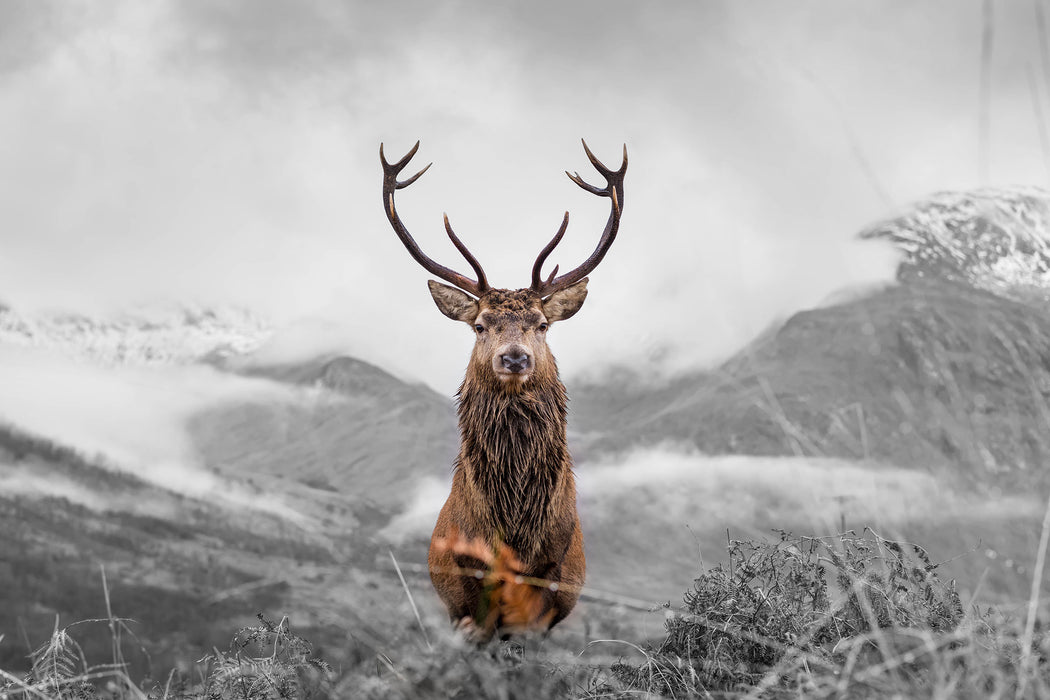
(769, 618)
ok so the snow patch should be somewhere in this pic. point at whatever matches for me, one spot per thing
(146, 336)
(994, 238)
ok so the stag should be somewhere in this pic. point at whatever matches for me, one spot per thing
(513, 487)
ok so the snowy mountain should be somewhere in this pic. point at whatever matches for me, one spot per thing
(147, 336)
(995, 239)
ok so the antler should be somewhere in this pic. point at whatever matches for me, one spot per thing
(390, 184)
(612, 189)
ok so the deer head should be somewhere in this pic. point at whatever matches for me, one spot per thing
(510, 325)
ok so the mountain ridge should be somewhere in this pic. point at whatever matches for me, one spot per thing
(993, 238)
(158, 335)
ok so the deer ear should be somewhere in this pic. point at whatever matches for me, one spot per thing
(564, 304)
(457, 305)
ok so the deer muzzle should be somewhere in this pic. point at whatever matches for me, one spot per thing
(514, 360)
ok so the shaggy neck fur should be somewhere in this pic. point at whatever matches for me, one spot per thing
(515, 456)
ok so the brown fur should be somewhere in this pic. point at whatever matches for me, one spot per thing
(513, 483)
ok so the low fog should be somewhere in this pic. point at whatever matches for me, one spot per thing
(134, 418)
(684, 489)
(227, 153)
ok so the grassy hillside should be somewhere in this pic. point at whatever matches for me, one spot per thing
(165, 556)
(926, 375)
(307, 486)
(853, 615)
(365, 436)
(939, 378)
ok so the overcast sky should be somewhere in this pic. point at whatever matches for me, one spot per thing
(226, 151)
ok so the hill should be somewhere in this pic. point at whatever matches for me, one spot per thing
(366, 435)
(926, 374)
(937, 386)
(302, 488)
(948, 368)
(66, 517)
(994, 238)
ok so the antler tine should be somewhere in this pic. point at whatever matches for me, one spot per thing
(392, 184)
(483, 284)
(600, 167)
(397, 167)
(614, 190)
(554, 273)
(409, 181)
(537, 280)
(575, 177)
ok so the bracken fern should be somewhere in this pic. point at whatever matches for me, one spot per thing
(265, 662)
(769, 618)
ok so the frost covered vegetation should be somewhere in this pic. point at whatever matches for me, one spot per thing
(852, 615)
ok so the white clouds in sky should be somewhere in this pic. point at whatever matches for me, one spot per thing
(226, 152)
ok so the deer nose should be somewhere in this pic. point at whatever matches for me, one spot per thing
(515, 361)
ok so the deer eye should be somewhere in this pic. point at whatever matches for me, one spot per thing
(479, 328)
(543, 328)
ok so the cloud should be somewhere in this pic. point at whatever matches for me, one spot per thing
(419, 516)
(15, 481)
(31, 30)
(225, 152)
(134, 417)
(704, 491)
(668, 488)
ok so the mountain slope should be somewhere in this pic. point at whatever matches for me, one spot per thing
(946, 374)
(996, 239)
(66, 517)
(302, 489)
(921, 374)
(949, 368)
(367, 435)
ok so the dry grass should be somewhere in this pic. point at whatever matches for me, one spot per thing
(850, 615)
(844, 616)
